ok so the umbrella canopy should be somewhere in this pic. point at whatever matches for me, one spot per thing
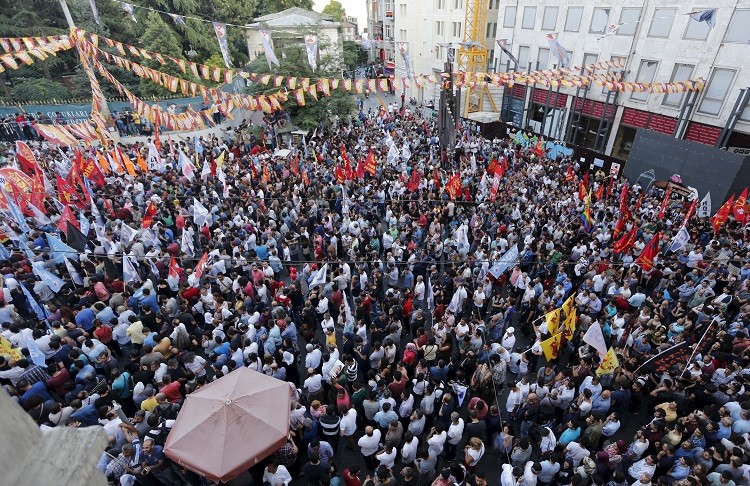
(231, 424)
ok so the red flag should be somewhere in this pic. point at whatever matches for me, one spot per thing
(621, 221)
(19, 198)
(266, 176)
(157, 140)
(624, 244)
(38, 192)
(67, 193)
(148, 216)
(599, 194)
(495, 187)
(371, 165)
(582, 192)
(569, 175)
(623, 198)
(690, 212)
(646, 259)
(305, 180)
(492, 167)
(360, 170)
(539, 148)
(26, 159)
(436, 179)
(74, 179)
(87, 168)
(665, 201)
(294, 168)
(414, 179)
(201, 265)
(339, 173)
(453, 186)
(611, 186)
(66, 217)
(722, 214)
(639, 201)
(740, 207)
(348, 171)
(174, 269)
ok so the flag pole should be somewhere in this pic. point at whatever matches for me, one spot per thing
(697, 345)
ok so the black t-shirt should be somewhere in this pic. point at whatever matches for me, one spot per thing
(315, 472)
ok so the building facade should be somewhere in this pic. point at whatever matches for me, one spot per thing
(658, 42)
(350, 29)
(290, 27)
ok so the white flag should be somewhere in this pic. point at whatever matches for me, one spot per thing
(54, 282)
(206, 171)
(200, 214)
(97, 215)
(188, 168)
(680, 240)
(594, 337)
(154, 159)
(186, 245)
(393, 154)
(311, 45)
(320, 277)
(430, 295)
(127, 234)
(704, 208)
(74, 275)
(405, 152)
(129, 273)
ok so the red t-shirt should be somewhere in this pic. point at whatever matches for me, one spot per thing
(172, 391)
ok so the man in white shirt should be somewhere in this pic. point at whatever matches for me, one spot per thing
(369, 445)
(455, 432)
(314, 383)
(348, 425)
(276, 475)
(436, 440)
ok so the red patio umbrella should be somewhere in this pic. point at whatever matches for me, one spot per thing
(231, 424)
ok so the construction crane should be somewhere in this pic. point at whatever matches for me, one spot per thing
(472, 55)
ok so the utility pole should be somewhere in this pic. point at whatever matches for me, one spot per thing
(113, 133)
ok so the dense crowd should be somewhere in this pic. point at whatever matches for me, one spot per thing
(377, 298)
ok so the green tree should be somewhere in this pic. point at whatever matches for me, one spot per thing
(266, 7)
(293, 62)
(160, 38)
(39, 90)
(335, 10)
(354, 55)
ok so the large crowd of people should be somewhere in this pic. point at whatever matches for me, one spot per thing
(377, 297)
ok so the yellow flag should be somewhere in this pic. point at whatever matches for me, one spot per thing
(553, 321)
(567, 306)
(7, 349)
(570, 324)
(551, 346)
(220, 160)
(609, 364)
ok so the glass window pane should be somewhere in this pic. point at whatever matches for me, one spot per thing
(573, 20)
(738, 31)
(646, 74)
(661, 24)
(589, 58)
(529, 17)
(681, 72)
(550, 18)
(717, 90)
(543, 58)
(628, 21)
(509, 21)
(599, 20)
(523, 58)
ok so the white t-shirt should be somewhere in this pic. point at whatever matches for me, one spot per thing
(387, 459)
(369, 444)
(435, 443)
(349, 423)
(409, 451)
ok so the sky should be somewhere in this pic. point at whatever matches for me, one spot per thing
(354, 8)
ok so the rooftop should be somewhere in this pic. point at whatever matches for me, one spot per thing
(294, 17)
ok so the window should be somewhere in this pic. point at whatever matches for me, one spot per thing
(696, 30)
(523, 58)
(439, 30)
(716, 91)
(491, 61)
(646, 73)
(458, 4)
(599, 20)
(456, 29)
(661, 24)
(681, 72)
(491, 30)
(616, 74)
(493, 5)
(509, 19)
(439, 4)
(438, 53)
(573, 20)
(549, 22)
(402, 11)
(745, 116)
(543, 58)
(388, 31)
(589, 58)
(402, 35)
(628, 21)
(737, 30)
(529, 18)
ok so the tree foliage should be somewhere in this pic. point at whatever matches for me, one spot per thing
(335, 10)
(39, 90)
(158, 37)
(354, 55)
(293, 63)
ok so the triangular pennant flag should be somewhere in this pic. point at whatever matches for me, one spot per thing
(60, 250)
(54, 282)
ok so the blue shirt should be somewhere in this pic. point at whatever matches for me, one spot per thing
(86, 415)
(151, 303)
(85, 319)
(37, 389)
(261, 251)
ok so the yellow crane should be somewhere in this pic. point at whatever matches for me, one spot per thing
(472, 55)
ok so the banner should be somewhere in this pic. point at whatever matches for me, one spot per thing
(267, 43)
(221, 35)
(504, 263)
(311, 46)
(403, 48)
(677, 354)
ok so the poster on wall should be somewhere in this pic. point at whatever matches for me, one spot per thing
(614, 169)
